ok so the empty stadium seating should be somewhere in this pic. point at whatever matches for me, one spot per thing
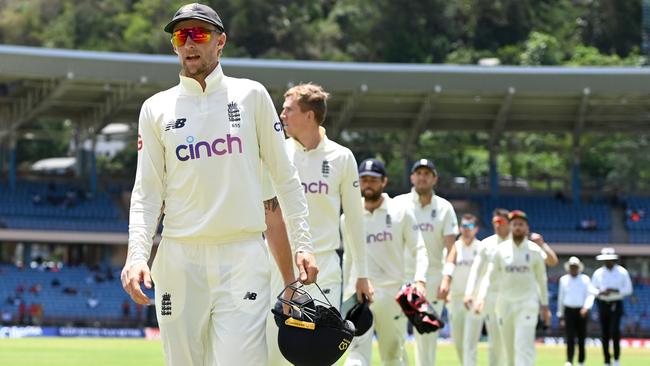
(41, 206)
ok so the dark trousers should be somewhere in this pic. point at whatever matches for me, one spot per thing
(610, 313)
(575, 327)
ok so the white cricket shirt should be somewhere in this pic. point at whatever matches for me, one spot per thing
(390, 231)
(435, 220)
(479, 267)
(200, 153)
(330, 181)
(521, 273)
(465, 257)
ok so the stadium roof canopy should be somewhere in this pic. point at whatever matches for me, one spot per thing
(96, 88)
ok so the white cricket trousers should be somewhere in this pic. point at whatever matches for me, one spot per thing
(517, 322)
(426, 344)
(329, 280)
(390, 325)
(466, 328)
(496, 351)
(211, 302)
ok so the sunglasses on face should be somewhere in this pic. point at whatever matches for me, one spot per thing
(198, 35)
(467, 226)
(499, 220)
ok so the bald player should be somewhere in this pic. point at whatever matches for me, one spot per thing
(518, 265)
(390, 232)
(465, 323)
(437, 221)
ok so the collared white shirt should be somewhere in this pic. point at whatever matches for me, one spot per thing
(616, 278)
(436, 220)
(479, 267)
(465, 257)
(575, 292)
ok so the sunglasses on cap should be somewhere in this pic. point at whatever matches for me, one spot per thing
(499, 220)
(468, 225)
(198, 35)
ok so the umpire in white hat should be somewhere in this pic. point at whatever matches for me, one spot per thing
(613, 284)
(575, 299)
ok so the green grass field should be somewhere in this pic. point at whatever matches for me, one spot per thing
(137, 352)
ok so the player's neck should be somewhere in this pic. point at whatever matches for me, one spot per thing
(468, 241)
(372, 205)
(310, 139)
(425, 198)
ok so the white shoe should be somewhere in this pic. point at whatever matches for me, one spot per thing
(568, 363)
(581, 364)
(606, 364)
(616, 363)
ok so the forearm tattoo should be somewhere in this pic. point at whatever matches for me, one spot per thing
(271, 205)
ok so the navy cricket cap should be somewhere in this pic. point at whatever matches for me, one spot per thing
(424, 163)
(372, 167)
(358, 313)
(195, 11)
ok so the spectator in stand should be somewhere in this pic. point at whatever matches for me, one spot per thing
(7, 317)
(126, 309)
(35, 289)
(22, 313)
(20, 289)
(92, 302)
(55, 282)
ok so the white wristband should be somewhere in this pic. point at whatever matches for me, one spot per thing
(448, 269)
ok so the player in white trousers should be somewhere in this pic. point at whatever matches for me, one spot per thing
(330, 181)
(200, 146)
(465, 323)
(437, 221)
(518, 265)
(390, 232)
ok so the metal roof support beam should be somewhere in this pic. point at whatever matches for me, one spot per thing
(576, 184)
(347, 111)
(99, 116)
(37, 100)
(502, 117)
(420, 123)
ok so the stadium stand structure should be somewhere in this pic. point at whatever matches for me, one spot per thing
(43, 206)
(637, 221)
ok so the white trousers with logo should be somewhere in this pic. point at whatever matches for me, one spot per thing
(517, 322)
(426, 344)
(329, 280)
(211, 302)
(466, 328)
(390, 325)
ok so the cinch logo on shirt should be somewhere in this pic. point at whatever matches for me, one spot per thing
(425, 226)
(379, 237)
(319, 187)
(517, 269)
(278, 126)
(220, 146)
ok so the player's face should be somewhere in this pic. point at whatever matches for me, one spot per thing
(468, 229)
(423, 180)
(198, 58)
(519, 228)
(372, 187)
(295, 120)
(573, 270)
(501, 226)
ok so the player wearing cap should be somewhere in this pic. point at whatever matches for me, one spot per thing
(518, 265)
(200, 147)
(437, 221)
(390, 232)
(613, 283)
(330, 181)
(501, 226)
(574, 300)
(465, 323)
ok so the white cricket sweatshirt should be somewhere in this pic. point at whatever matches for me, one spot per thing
(200, 153)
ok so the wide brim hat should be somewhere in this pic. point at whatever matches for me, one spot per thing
(607, 254)
(574, 261)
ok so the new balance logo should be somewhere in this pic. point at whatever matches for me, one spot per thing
(166, 304)
(175, 125)
(250, 296)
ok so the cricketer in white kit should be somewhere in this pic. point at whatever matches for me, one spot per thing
(390, 232)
